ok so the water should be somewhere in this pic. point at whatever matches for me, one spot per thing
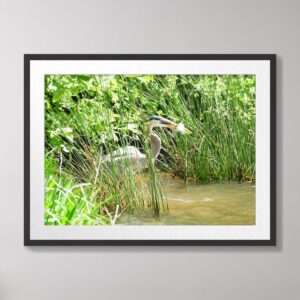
(227, 203)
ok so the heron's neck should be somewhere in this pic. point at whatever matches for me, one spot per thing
(155, 145)
(150, 129)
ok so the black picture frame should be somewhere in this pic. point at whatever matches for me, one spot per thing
(31, 57)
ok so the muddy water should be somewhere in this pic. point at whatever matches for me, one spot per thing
(205, 204)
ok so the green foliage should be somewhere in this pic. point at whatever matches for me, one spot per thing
(88, 116)
(67, 202)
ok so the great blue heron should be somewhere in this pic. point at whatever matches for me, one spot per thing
(133, 156)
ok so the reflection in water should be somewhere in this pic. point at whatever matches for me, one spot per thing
(227, 203)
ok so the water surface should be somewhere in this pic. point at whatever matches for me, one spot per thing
(226, 203)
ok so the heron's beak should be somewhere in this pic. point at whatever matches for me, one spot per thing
(171, 126)
(177, 128)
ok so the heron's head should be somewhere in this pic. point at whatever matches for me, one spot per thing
(157, 121)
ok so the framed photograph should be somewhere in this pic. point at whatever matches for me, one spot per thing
(150, 149)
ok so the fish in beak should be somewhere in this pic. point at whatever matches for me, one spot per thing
(158, 121)
(180, 128)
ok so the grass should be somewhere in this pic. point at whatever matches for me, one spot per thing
(68, 202)
(88, 117)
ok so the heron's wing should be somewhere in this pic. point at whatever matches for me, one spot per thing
(128, 151)
(132, 151)
(127, 157)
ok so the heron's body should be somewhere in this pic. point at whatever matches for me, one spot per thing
(127, 156)
(132, 156)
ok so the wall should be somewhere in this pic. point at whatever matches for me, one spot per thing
(96, 26)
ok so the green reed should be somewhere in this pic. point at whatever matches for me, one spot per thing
(221, 117)
(112, 188)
